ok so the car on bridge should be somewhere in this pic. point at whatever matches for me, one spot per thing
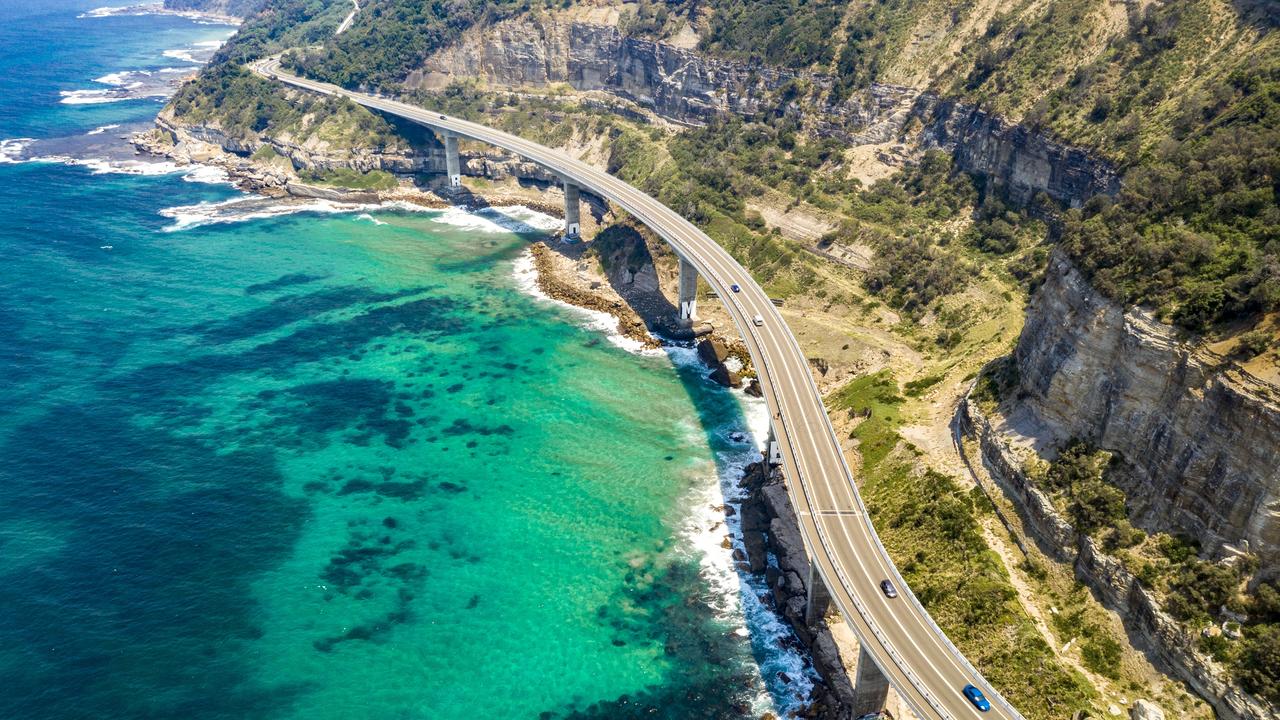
(758, 321)
(735, 287)
(888, 589)
(977, 698)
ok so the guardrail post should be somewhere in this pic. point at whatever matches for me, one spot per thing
(688, 291)
(451, 163)
(818, 596)
(572, 208)
(870, 687)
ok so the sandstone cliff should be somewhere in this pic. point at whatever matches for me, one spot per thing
(1201, 438)
(687, 87)
(1167, 641)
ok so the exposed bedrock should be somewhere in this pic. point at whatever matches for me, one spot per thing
(687, 87)
(1166, 641)
(1200, 438)
(769, 527)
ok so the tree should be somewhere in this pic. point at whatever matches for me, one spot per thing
(1259, 665)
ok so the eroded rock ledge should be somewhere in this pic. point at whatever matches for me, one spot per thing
(1152, 629)
(1199, 439)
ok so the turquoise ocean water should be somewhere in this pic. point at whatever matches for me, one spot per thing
(264, 463)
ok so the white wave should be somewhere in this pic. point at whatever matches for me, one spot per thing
(737, 595)
(182, 54)
(211, 174)
(92, 97)
(120, 10)
(119, 78)
(101, 129)
(370, 218)
(503, 219)
(196, 16)
(12, 149)
(256, 207)
(101, 166)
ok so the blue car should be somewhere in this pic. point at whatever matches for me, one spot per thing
(735, 287)
(977, 698)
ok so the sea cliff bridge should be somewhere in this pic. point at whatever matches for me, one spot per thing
(900, 642)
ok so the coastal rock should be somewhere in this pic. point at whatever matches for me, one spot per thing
(756, 552)
(714, 353)
(336, 194)
(1144, 710)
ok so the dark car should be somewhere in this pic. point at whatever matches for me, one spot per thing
(977, 698)
(442, 117)
(735, 287)
(889, 590)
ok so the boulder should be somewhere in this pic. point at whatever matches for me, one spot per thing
(1145, 710)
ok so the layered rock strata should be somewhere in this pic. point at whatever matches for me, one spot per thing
(687, 87)
(1167, 642)
(1200, 438)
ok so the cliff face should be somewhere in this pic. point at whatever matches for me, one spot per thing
(1023, 161)
(1168, 641)
(1202, 441)
(687, 87)
(206, 142)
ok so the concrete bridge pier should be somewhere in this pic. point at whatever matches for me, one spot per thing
(688, 291)
(452, 166)
(572, 209)
(819, 597)
(870, 687)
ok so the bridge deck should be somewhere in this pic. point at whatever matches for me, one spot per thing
(914, 654)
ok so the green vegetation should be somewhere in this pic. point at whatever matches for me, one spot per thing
(1100, 651)
(282, 24)
(875, 398)
(1080, 479)
(1195, 232)
(928, 523)
(245, 105)
(779, 32)
(266, 153)
(392, 37)
(353, 179)
(935, 231)
(916, 388)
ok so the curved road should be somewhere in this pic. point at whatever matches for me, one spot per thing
(914, 654)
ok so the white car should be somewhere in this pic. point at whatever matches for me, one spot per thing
(758, 321)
